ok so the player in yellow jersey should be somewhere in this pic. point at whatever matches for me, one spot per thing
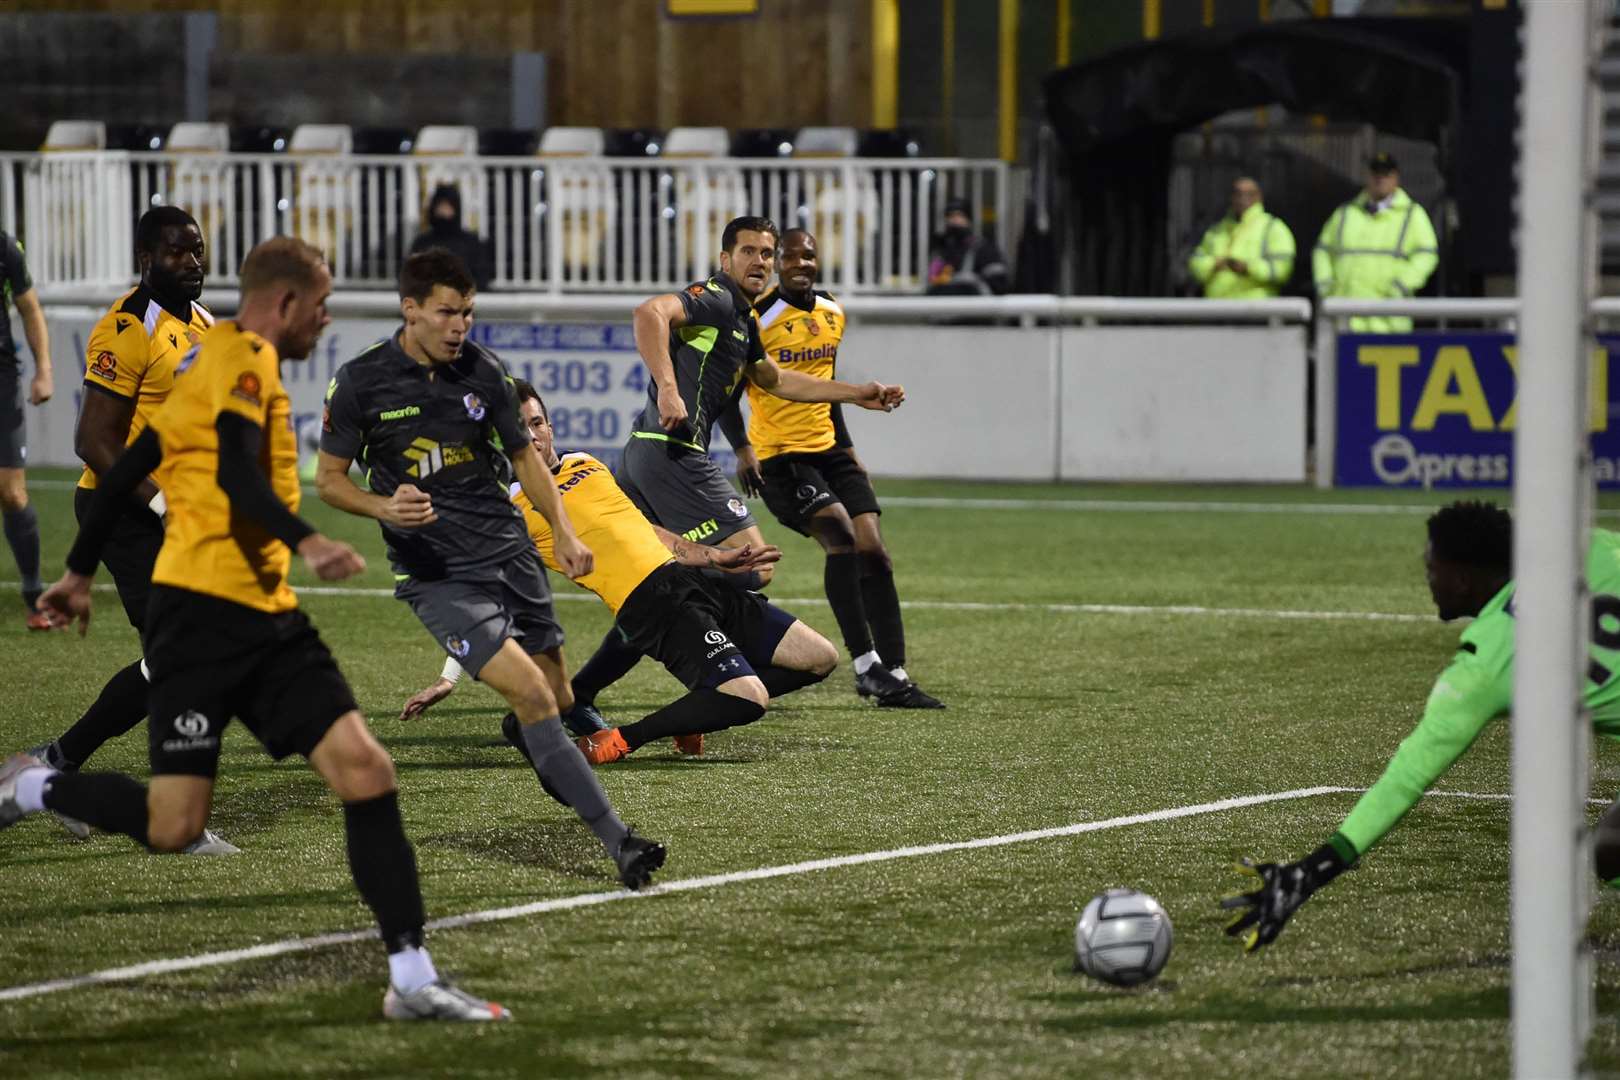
(732, 648)
(798, 454)
(225, 639)
(128, 371)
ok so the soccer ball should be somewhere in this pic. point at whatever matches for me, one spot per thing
(1123, 938)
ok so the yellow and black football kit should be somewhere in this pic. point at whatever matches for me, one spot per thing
(705, 633)
(803, 447)
(132, 355)
(224, 637)
(133, 352)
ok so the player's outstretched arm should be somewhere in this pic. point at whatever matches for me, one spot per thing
(571, 554)
(409, 507)
(653, 320)
(1278, 893)
(738, 560)
(797, 386)
(429, 696)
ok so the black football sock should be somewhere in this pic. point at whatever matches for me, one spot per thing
(384, 869)
(781, 680)
(751, 581)
(112, 802)
(883, 612)
(121, 706)
(842, 579)
(22, 533)
(698, 713)
(612, 661)
(566, 774)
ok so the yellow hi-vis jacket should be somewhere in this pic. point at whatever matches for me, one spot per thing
(1258, 240)
(1390, 253)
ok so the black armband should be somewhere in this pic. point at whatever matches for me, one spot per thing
(245, 484)
(111, 500)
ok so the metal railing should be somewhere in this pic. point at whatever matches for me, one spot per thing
(551, 224)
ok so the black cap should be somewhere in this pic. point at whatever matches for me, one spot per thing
(1383, 162)
(959, 206)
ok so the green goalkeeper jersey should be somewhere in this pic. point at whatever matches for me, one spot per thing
(1477, 687)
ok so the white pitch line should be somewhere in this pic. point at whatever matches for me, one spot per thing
(569, 903)
(962, 605)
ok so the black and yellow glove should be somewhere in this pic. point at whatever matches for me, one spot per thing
(1264, 911)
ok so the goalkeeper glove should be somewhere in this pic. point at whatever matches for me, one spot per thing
(1263, 912)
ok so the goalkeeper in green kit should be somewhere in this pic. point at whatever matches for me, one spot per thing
(1469, 561)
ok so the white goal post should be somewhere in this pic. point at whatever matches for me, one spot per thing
(1551, 891)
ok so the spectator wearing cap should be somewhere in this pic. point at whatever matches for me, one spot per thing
(1248, 254)
(1379, 244)
(963, 263)
(445, 231)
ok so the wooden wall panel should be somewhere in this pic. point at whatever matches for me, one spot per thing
(613, 63)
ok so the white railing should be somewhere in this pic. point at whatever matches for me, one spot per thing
(552, 225)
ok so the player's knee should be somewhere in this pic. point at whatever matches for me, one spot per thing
(875, 560)
(1606, 846)
(821, 656)
(533, 701)
(171, 832)
(749, 688)
(13, 493)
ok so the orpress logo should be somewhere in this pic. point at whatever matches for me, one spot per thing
(1395, 461)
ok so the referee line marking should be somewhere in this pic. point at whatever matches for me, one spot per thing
(151, 968)
(1140, 506)
(959, 605)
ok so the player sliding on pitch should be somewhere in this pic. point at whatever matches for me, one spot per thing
(732, 648)
(1469, 560)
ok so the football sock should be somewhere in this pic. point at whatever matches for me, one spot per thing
(864, 662)
(30, 792)
(112, 802)
(384, 870)
(701, 711)
(883, 612)
(568, 777)
(510, 724)
(900, 673)
(781, 680)
(121, 706)
(410, 969)
(612, 661)
(22, 533)
(842, 580)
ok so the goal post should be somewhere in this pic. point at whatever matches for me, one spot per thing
(1551, 978)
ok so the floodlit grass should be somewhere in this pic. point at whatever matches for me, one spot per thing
(938, 965)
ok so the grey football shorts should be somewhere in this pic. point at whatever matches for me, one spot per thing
(13, 434)
(682, 490)
(471, 618)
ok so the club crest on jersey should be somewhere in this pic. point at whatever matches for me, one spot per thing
(105, 366)
(811, 325)
(475, 407)
(247, 388)
(457, 647)
(736, 507)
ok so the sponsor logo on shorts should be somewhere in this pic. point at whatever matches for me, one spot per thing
(457, 647)
(736, 507)
(475, 407)
(715, 637)
(192, 728)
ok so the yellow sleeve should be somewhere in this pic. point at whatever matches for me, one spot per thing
(118, 354)
(241, 377)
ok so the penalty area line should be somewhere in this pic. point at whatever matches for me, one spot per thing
(174, 965)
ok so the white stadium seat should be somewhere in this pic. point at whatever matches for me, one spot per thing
(825, 142)
(76, 135)
(572, 142)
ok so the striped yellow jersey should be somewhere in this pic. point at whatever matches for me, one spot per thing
(606, 521)
(799, 340)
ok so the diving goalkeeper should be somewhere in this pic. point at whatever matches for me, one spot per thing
(1469, 562)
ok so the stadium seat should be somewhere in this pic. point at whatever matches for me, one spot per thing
(381, 140)
(450, 140)
(201, 178)
(824, 142)
(762, 143)
(697, 142)
(581, 202)
(888, 143)
(321, 139)
(188, 137)
(572, 142)
(508, 142)
(66, 135)
(324, 187)
(138, 137)
(259, 140)
(634, 142)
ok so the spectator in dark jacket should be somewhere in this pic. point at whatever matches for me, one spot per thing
(444, 231)
(963, 263)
